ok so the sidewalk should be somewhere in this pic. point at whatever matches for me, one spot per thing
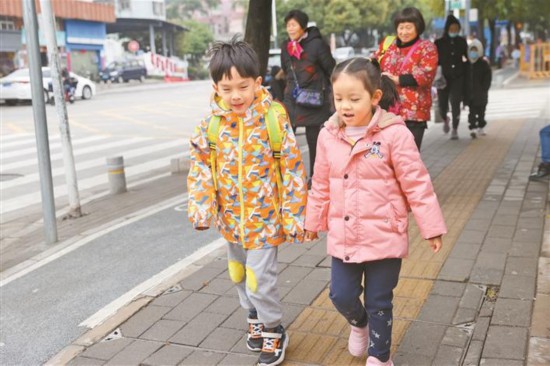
(480, 300)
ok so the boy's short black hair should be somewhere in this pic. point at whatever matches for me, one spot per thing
(410, 15)
(235, 53)
(299, 16)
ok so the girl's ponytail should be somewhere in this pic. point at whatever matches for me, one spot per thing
(390, 96)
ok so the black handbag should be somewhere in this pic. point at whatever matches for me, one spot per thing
(310, 98)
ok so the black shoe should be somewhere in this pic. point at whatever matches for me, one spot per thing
(274, 347)
(542, 172)
(254, 339)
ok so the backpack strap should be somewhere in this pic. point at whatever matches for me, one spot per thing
(212, 133)
(387, 43)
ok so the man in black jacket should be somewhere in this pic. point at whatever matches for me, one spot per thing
(452, 50)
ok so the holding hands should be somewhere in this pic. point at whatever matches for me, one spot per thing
(311, 236)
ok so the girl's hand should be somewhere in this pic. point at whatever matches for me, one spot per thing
(392, 77)
(436, 243)
(310, 236)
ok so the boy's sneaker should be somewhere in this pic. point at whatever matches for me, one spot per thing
(481, 132)
(274, 347)
(254, 339)
(373, 361)
(542, 172)
(446, 126)
(454, 135)
(358, 341)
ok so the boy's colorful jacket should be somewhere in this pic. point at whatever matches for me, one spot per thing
(361, 193)
(245, 205)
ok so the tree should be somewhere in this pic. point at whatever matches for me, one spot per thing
(258, 29)
(195, 43)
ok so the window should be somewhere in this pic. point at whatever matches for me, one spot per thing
(7, 25)
(123, 5)
(158, 8)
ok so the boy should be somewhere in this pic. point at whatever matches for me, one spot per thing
(255, 210)
(479, 82)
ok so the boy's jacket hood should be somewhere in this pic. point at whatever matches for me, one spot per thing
(479, 46)
(261, 103)
(380, 120)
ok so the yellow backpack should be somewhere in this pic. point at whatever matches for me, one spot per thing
(275, 140)
(387, 43)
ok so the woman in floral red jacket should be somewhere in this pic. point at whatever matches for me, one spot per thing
(411, 63)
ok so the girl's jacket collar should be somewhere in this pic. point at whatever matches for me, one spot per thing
(380, 120)
(259, 106)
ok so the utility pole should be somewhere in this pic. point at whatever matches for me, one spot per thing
(274, 21)
(48, 22)
(40, 122)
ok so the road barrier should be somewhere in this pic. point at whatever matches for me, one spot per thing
(535, 61)
(117, 177)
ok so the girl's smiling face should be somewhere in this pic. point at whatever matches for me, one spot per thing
(353, 101)
(237, 92)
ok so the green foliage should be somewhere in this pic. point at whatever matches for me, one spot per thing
(196, 41)
(176, 10)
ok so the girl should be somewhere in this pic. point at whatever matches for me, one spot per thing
(368, 173)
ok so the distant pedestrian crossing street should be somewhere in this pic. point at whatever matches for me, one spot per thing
(144, 159)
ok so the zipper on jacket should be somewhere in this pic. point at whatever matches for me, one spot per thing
(240, 178)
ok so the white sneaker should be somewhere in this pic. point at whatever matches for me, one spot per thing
(454, 135)
(481, 132)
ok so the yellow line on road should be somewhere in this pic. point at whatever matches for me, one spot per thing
(141, 122)
(157, 111)
(14, 128)
(83, 126)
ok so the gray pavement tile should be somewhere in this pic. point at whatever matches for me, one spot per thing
(84, 361)
(464, 315)
(224, 305)
(203, 358)
(305, 292)
(530, 223)
(240, 347)
(512, 312)
(191, 306)
(478, 224)
(465, 251)
(325, 263)
(487, 309)
(485, 210)
(422, 339)
(107, 350)
(135, 353)
(318, 248)
(472, 236)
(290, 253)
(218, 286)
(448, 356)
(319, 274)
(500, 362)
(508, 208)
(481, 328)
(446, 288)
(497, 245)
(198, 279)
(456, 269)
(472, 297)
(473, 354)
(410, 359)
(507, 219)
(290, 313)
(531, 213)
(486, 276)
(283, 291)
(525, 249)
(491, 260)
(439, 309)
(517, 287)
(168, 355)
(456, 337)
(292, 275)
(198, 329)
(239, 360)
(237, 320)
(222, 339)
(162, 330)
(307, 260)
(143, 320)
(171, 299)
(501, 231)
(529, 235)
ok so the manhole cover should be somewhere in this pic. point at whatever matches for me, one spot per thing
(6, 177)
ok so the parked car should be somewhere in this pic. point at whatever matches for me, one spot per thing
(343, 53)
(273, 60)
(17, 87)
(124, 71)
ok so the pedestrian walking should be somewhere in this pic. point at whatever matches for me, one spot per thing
(452, 51)
(368, 173)
(255, 197)
(478, 83)
(411, 64)
(543, 171)
(307, 62)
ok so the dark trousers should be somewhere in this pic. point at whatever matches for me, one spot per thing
(453, 93)
(417, 128)
(380, 278)
(312, 134)
(476, 118)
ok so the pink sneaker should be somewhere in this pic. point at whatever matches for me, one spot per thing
(373, 361)
(358, 341)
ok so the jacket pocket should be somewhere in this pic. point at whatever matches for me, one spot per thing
(323, 216)
(398, 222)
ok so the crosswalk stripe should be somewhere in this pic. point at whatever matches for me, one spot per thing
(53, 146)
(15, 136)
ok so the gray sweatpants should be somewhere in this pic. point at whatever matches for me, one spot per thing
(254, 272)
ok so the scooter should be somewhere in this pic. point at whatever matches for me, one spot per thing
(69, 88)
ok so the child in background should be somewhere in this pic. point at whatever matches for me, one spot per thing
(368, 173)
(240, 191)
(478, 84)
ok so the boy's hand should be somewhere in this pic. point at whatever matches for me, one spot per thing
(201, 228)
(310, 236)
(436, 243)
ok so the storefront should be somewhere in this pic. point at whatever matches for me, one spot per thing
(84, 45)
(10, 43)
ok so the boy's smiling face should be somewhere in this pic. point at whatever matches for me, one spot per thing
(237, 92)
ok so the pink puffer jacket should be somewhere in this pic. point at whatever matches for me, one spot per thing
(361, 194)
